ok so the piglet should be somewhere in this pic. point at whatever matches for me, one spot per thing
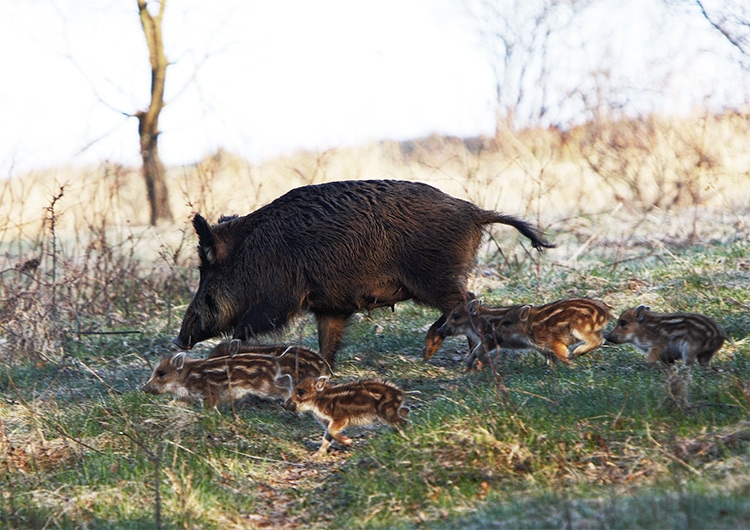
(477, 322)
(337, 406)
(551, 328)
(218, 380)
(296, 360)
(669, 337)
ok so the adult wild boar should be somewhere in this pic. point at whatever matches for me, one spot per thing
(335, 249)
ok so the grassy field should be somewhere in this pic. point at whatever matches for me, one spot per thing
(608, 443)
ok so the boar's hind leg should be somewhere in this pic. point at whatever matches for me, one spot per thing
(448, 300)
(434, 339)
(330, 332)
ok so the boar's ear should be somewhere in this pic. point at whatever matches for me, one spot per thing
(321, 383)
(178, 360)
(524, 313)
(640, 312)
(206, 241)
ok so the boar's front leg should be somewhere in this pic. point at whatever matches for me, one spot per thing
(330, 331)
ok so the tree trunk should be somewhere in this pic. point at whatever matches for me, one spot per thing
(148, 120)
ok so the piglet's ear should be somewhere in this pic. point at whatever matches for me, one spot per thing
(206, 242)
(284, 381)
(524, 314)
(640, 312)
(178, 361)
(234, 347)
(321, 383)
(473, 306)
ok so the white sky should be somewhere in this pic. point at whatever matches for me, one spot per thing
(261, 78)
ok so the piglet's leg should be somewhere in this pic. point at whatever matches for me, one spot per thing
(654, 355)
(469, 363)
(332, 433)
(590, 342)
(561, 352)
(324, 445)
(334, 430)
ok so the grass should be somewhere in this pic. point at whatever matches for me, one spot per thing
(604, 444)
(91, 299)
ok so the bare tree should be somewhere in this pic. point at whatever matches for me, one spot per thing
(148, 120)
(731, 18)
(518, 35)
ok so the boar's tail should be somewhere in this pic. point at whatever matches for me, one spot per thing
(536, 238)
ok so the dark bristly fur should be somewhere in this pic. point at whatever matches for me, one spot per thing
(336, 249)
(353, 403)
(669, 337)
(230, 378)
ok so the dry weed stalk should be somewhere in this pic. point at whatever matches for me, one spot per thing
(650, 163)
(677, 385)
(62, 284)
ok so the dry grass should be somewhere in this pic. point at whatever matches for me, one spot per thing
(643, 164)
(90, 296)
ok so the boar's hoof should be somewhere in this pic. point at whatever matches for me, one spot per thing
(430, 348)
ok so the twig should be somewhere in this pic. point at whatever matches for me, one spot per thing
(52, 221)
(156, 461)
(128, 332)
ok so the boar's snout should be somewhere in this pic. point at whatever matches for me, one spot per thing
(182, 344)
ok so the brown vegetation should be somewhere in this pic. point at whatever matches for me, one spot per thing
(87, 232)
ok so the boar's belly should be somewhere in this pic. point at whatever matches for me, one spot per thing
(383, 296)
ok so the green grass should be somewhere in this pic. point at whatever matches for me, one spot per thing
(601, 445)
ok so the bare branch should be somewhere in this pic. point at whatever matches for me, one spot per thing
(738, 41)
